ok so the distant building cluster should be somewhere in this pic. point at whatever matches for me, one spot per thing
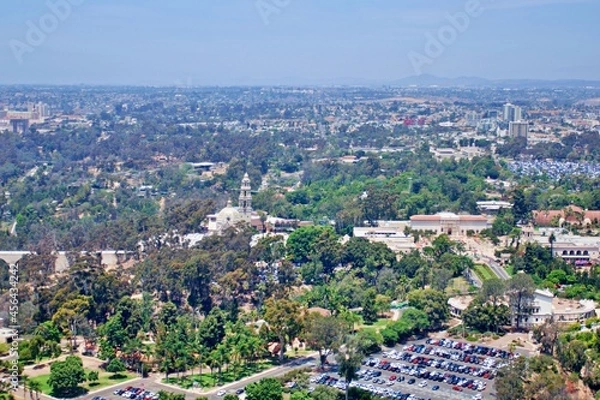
(19, 121)
(554, 169)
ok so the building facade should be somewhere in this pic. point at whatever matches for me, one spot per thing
(518, 129)
(231, 216)
(449, 223)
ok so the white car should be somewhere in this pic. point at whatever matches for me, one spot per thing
(221, 393)
(423, 384)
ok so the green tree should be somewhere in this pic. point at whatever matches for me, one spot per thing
(572, 355)
(323, 333)
(115, 366)
(486, 317)
(300, 395)
(492, 291)
(433, 302)
(283, 317)
(520, 289)
(301, 243)
(509, 382)
(368, 341)
(322, 392)
(36, 388)
(92, 376)
(71, 315)
(520, 206)
(552, 240)
(369, 308)
(65, 376)
(265, 389)
(349, 359)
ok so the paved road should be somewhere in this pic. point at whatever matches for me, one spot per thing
(154, 384)
(497, 268)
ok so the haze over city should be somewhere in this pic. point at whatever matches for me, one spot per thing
(241, 42)
(300, 200)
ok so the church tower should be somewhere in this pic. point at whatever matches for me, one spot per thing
(245, 202)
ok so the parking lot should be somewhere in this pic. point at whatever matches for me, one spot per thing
(428, 369)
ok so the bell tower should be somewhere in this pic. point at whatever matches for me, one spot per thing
(245, 201)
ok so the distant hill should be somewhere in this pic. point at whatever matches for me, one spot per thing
(467, 81)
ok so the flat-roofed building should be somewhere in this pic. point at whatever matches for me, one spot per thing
(449, 223)
(518, 129)
(544, 307)
(391, 233)
(493, 207)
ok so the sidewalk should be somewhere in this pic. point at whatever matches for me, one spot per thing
(271, 372)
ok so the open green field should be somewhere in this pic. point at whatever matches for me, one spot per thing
(208, 380)
(104, 381)
(458, 286)
(483, 272)
(375, 327)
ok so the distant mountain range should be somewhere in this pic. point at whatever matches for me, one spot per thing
(467, 81)
(424, 80)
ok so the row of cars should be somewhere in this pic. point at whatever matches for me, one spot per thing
(385, 392)
(328, 380)
(458, 383)
(135, 393)
(340, 384)
(460, 356)
(471, 348)
(480, 372)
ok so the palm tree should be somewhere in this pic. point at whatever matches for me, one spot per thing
(25, 382)
(349, 358)
(551, 240)
(35, 387)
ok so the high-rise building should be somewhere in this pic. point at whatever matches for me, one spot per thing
(507, 110)
(518, 129)
(517, 113)
(512, 113)
(38, 110)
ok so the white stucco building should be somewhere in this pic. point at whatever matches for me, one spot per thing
(449, 223)
(545, 306)
(231, 216)
(390, 233)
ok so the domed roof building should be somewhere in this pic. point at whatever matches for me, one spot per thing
(232, 216)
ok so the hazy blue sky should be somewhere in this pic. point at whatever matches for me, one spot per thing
(227, 42)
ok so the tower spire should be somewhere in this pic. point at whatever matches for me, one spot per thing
(245, 201)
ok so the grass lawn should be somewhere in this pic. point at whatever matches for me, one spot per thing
(104, 381)
(207, 380)
(483, 272)
(510, 270)
(458, 286)
(375, 327)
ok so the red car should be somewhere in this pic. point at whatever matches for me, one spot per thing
(457, 388)
(393, 378)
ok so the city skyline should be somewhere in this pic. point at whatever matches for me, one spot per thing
(271, 42)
